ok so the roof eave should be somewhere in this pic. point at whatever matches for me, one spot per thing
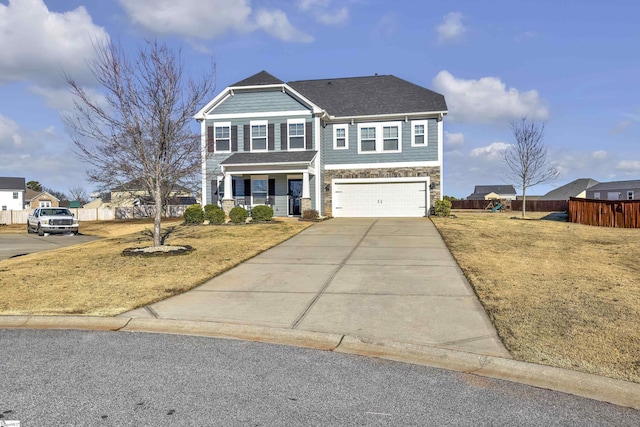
(391, 115)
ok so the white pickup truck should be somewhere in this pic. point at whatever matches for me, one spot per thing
(52, 220)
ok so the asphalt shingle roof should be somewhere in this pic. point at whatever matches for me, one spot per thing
(9, 183)
(367, 96)
(572, 189)
(259, 79)
(616, 185)
(270, 157)
(498, 189)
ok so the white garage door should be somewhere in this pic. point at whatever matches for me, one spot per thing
(379, 199)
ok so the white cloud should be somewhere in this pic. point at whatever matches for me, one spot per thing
(451, 28)
(306, 5)
(453, 140)
(600, 155)
(387, 26)
(340, 17)
(492, 151)
(630, 166)
(621, 127)
(275, 22)
(322, 11)
(487, 100)
(38, 45)
(209, 20)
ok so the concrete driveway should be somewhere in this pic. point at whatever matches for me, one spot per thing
(385, 278)
(12, 245)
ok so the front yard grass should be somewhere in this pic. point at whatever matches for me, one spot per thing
(559, 294)
(95, 279)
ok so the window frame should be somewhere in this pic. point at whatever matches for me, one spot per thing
(379, 138)
(424, 123)
(346, 137)
(44, 203)
(266, 192)
(630, 194)
(264, 123)
(16, 195)
(302, 122)
(215, 139)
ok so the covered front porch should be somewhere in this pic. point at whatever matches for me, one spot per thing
(283, 181)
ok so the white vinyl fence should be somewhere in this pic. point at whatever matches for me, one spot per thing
(97, 214)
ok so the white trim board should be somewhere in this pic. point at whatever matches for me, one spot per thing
(382, 165)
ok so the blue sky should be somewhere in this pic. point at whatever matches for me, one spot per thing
(574, 64)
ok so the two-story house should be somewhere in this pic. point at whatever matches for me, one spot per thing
(11, 193)
(347, 147)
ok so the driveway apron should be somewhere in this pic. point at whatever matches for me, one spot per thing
(377, 278)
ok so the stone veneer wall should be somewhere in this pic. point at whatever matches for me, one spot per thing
(433, 172)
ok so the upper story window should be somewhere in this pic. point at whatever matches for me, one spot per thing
(222, 134)
(15, 195)
(390, 138)
(296, 134)
(45, 204)
(419, 133)
(259, 136)
(368, 139)
(341, 137)
(380, 137)
(596, 195)
(629, 195)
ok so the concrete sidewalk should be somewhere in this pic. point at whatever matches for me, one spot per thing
(386, 278)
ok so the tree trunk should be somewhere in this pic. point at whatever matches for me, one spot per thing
(158, 215)
(524, 201)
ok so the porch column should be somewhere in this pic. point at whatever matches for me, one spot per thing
(227, 201)
(305, 200)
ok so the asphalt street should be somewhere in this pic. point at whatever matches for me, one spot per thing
(12, 245)
(84, 378)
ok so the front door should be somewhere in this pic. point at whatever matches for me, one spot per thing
(295, 193)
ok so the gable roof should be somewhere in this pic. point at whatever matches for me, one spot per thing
(369, 96)
(9, 183)
(498, 189)
(616, 185)
(30, 194)
(259, 79)
(572, 189)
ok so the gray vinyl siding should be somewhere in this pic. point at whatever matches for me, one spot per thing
(408, 154)
(258, 102)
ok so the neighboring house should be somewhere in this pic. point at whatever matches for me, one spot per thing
(490, 192)
(11, 193)
(40, 199)
(615, 190)
(577, 188)
(361, 146)
(134, 194)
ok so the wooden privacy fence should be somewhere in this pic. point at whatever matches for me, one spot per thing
(605, 213)
(516, 205)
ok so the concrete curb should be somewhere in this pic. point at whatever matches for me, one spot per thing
(314, 340)
(617, 392)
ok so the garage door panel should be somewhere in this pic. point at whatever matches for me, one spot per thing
(380, 199)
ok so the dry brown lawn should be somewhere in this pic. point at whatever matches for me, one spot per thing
(560, 294)
(95, 279)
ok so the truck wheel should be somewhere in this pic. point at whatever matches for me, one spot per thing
(40, 231)
(28, 228)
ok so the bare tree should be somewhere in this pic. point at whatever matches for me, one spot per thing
(140, 131)
(526, 158)
(79, 194)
